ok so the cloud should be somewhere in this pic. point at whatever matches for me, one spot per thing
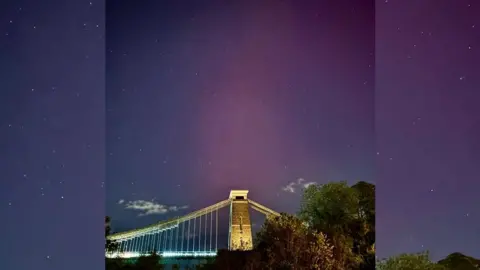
(121, 201)
(306, 185)
(175, 208)
(292, 187)
(152, 208)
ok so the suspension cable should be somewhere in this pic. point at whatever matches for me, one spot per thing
(211, 218)
(193, 239)
(199, 232)
(205, 239)
(188, 236)
(183, 235)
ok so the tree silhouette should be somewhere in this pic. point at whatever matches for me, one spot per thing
(363, 231)
(110, 246)
(419, 261)
(458, 261)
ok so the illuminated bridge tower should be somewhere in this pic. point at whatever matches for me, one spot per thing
(240, 229)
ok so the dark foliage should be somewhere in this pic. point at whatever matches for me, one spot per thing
(110, 245)
(458, 261)
(421, 261)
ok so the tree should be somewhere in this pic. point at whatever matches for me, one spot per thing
(364, 234)
(366, 196)
(115, 264)
(110, 246)
(459, 261)
(285, 242)
(343, 213)
(419, 261)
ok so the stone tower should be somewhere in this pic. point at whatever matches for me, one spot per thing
(240, 230)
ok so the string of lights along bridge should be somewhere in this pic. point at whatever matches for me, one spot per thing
(194, 234)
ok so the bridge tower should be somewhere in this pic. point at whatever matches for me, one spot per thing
(240, 229)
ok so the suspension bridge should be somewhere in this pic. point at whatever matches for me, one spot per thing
(194, 234)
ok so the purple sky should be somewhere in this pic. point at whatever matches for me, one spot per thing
(52, 135)
(427, 126)
(205, 98)
(200, 99)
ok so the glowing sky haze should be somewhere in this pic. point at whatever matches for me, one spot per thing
(208, 97)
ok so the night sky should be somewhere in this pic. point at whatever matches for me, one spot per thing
(52, 135)
(203, 98)
(427, 127)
